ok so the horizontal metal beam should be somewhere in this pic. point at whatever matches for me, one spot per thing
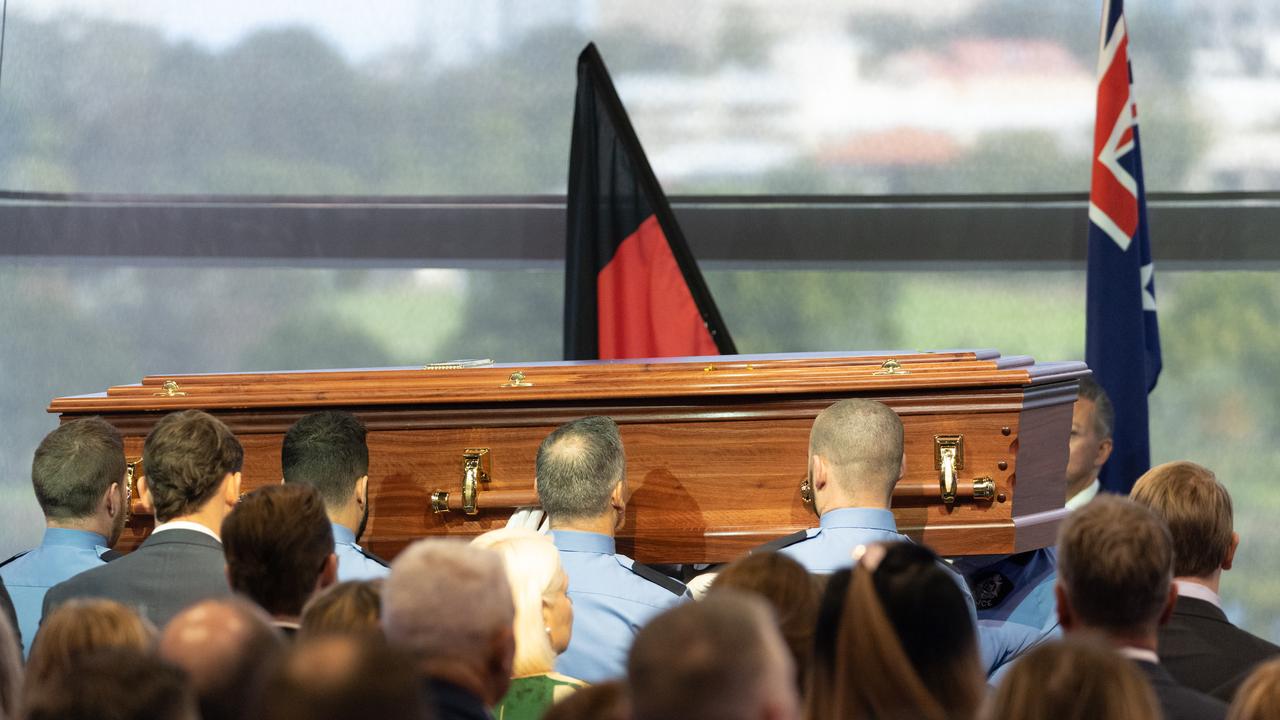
(1191, 230)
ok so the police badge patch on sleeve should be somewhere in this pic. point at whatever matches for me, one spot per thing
(990, 589)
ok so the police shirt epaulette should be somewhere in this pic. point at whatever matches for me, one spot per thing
(782, 542)
(108, 555)
(373, 557)
(15, 557)
(670, 584)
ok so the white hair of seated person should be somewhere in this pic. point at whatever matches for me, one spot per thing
(449, 604)
(544, 614)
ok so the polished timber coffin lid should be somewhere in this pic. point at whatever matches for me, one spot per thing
(716, 446)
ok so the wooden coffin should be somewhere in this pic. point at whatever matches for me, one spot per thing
(716, 447)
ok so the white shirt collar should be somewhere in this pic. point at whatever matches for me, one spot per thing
(1199, 592)
(1140, 654)
(186, 525)
(1083, 497)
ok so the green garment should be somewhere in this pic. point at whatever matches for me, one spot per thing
(529, 697)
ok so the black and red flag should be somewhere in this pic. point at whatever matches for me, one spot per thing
(632, 288)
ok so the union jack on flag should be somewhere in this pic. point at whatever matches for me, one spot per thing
(1122, 343)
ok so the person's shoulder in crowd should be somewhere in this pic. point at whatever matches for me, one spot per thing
(1203, 650)
(170, 570)
(62, 554)
(831, 546)
(357, 563)
(1180, 702)
(1014, 588)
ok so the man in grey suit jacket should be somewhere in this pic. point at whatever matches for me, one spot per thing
(1199, 646)
(1115, 579)
(191, 464)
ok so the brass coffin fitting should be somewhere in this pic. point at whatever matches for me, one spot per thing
(948, 460)
(475, 470)
(170, 389)
(891, 367)
(516, 379)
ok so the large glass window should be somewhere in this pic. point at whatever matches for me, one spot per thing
(729, 96)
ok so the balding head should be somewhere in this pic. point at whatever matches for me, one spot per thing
(344, 677)
(224, 645)
(855, 454)
(580, 467)
(449, 604)
(731, 663)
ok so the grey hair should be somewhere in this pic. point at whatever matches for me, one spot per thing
(445, 599)
(578, 466)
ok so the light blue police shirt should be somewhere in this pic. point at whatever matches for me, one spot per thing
(354, 562)
(62, 553)
(611, 602)
(830, 547)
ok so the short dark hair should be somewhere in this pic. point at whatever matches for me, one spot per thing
(277, 540)
(328, 450)
(862, 440)
(1115, 561)
(74, 465)
(1104, 414)
(185, 458)
(113, 684)
(578, 466)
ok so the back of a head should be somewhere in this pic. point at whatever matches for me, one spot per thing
(225, 646)
(1258, 698)
(113, 684)
(354, 606)
(79, 626)
(1079, 678)
(861, 440)
(185, 458)
(445, 600)
(74, 465)
(343, 677)
(895, 642)
(578, 466)
(532, 565)
(1115, 563)
(1197, 509)
(716, 659)
(789, 589)
(1104, 414)
(328, 450)
(277, 541)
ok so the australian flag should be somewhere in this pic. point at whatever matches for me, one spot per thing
(1122, 343)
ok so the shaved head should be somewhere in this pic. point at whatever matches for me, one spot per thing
(861, 443)
(224, 645)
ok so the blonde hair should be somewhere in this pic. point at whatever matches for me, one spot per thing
(1259, 697)
(1079, 678)
(533, 568)
(354, 606)
(79, 626)
(1197, 509)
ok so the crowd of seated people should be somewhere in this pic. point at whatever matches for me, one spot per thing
(263, 604)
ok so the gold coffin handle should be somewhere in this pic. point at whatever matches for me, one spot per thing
(475, 470)
(948, 460)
